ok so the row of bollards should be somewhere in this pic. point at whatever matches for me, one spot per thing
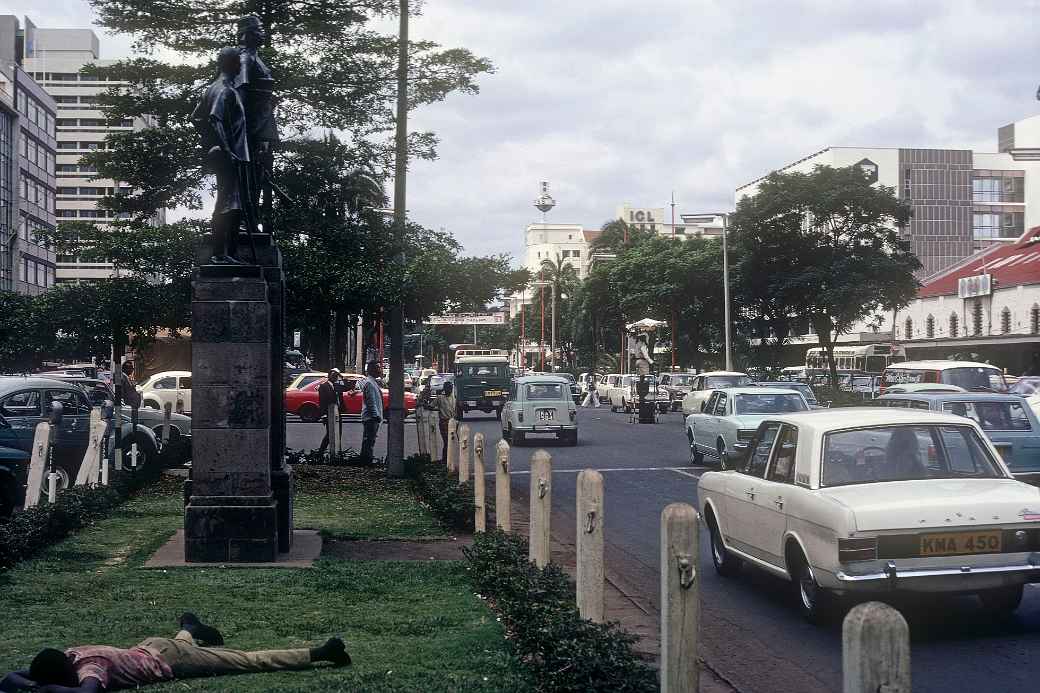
(875, 637)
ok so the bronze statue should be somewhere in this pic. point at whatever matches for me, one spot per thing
(256, 89)
(221, 121)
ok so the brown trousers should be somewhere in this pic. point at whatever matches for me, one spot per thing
(188, 660)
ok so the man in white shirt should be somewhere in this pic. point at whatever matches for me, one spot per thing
(371, 409)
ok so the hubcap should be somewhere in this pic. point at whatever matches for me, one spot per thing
(807, 589)
(716, 549)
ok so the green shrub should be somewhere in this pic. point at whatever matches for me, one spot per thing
(564, 652)
(30, 531)
(347, 458)
(448, 500)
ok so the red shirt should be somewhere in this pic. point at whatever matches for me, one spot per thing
(118, 668)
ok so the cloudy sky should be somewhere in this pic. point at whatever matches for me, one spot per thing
(618, 101)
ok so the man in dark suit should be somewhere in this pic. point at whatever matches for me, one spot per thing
(328, 392)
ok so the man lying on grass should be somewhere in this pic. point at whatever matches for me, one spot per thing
(194, 652)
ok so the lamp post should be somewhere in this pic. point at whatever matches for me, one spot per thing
(696, 218)
(552, 329)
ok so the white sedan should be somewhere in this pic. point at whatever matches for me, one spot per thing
(730, 418)
(862, 501)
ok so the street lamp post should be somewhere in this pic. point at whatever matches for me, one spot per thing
(725, 279)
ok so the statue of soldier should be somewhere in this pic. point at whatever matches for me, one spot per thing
(220, 119)
(256, 89)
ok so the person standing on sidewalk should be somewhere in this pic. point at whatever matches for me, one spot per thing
(371, 409)
(445, 412)
(328, 391)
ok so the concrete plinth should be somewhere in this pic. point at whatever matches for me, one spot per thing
(239, 498)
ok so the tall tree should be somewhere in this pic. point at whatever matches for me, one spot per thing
(824, 245)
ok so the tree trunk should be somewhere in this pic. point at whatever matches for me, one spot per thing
(823, 326)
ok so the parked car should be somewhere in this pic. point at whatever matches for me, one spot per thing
(801, 388)
(705, 383)
(619, 395)
(874, 501)
(918, 388)
(974, 377)
(1025, 386)
(540, 404)
(731, 416)
(304, 401)
(305, 379)
(169, 386)
(24, 402)
(605, 383)
(1007, 421)
(678, 386)
(575, 390)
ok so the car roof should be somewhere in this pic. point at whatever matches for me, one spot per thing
(757, 390)
(9, 383)
(723, 373)
(955, 396)
(940, 364)
(859, 417)
(166, 374)
(524, 380)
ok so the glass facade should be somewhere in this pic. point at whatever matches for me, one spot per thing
(7, 192)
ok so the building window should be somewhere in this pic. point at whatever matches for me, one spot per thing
(976, 317)
(908, 329)
(929, 327)
(576, 253)
(985, 226)
(1005, 321)
(953, 324)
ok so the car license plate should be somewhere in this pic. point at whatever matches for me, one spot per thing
(546, 414)
(492, 393)
(471, 403)
(955, 543)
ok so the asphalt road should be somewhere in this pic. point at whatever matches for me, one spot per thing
(751, 631)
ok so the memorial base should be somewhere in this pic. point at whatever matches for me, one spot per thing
(233, 529)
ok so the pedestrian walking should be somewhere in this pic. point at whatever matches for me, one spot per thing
(371, 409)
(328, 391)
(446, 405)
(592, 399)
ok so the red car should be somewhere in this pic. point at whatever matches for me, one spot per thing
(304, 401)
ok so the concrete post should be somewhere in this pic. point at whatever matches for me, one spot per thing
(590, 545)
(167, 412)
(104, 472)
(463, 453)
(38, 463)
(421, 431)
(88, 468)
(333, 429)
(453, 445)
(680, 600)
(502, 489)
(433, 435)
(875, 650)
(480, 513)
(541, 507)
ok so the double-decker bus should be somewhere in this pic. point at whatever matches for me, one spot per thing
(870, 359)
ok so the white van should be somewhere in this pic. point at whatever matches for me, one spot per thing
(973, 377)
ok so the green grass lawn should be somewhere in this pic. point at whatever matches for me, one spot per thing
(409, 626)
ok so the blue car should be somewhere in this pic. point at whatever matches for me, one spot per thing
(1008, 421)
(23, 403)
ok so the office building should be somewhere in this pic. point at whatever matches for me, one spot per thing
(27, 168)
(54, 57)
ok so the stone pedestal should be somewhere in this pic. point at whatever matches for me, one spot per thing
(239, 498)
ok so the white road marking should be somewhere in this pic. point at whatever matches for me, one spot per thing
(609, 469)
(686, 473)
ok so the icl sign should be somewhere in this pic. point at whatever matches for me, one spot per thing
(641, 215)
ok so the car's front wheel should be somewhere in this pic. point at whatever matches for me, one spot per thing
(815, 602)
(1003, 600)
(696, 457)
(726, 564)
(309, 412)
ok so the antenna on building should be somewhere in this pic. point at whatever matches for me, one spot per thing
(673, 215)
(545, 201)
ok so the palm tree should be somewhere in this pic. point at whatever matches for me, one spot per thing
(562, 277)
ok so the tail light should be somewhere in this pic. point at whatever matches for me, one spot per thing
(520, 415)
(860, 549)
(574, 414)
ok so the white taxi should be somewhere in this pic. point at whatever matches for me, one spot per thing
(862, 500)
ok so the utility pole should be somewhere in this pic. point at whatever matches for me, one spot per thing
(674, 342)
(395, 429)
(552, 343)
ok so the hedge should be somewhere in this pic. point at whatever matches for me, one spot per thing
(448, 500)
(30, 531)
(347, 458)
(564, 652)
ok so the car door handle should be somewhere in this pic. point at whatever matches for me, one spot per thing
(779, 502)
(750, 493)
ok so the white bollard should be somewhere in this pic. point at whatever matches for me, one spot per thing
(133, 455)
(119, 459)
(589, 535)
(434, 436)
(680, 599)
(421, 431)
(453, 445)
(89, 467)
(167, 413)
(875, 650)
(104, 472)
(541, 507)
(38, 463)
(52, 487)
(502, 489)
(463, 453)
(480, 512)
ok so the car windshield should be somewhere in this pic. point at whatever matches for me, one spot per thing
(482, 370)
(1025, 386)
(903, 453)
(992, 416)
(546, 391)
(682, 380)
(767, 404)
(715, 382)
(975, 378)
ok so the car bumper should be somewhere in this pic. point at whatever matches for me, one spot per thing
(915, 575)
(547, 428)
(484, 404)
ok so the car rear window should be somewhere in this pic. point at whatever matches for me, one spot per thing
(713, 382)
(992, 416)
(546, 391)
(482, 370)
(903, 453)
(768, 404)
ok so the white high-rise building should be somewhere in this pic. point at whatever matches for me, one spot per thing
(54, 58)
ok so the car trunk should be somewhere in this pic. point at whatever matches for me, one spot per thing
(549, 413)
(930, 503)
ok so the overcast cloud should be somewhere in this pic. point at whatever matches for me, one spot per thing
(624, 101)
